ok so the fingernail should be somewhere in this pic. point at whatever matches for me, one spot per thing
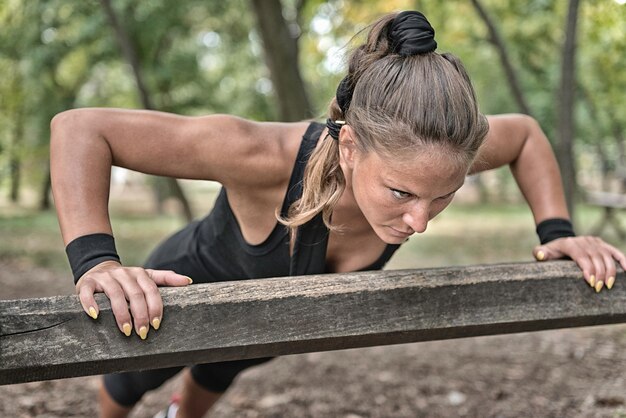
(610, 282)
(592, 281)
(599, 285)
(143, 332)
(93, 313)
(189, 278)
(127, 329)
(540, 255)
(156, 323)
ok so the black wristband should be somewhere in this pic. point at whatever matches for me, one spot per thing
(88, 251)
(554, 228)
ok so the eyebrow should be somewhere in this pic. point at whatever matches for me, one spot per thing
(401, 189)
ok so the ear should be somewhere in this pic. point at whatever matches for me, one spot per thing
(347, 145)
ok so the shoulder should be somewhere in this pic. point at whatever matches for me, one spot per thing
(264, 152)
(504, 141)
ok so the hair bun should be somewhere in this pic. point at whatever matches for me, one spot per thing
(412, 34)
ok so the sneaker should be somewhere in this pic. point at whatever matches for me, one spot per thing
(171, 410)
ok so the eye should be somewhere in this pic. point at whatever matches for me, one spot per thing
(399, 194)
(446, 197)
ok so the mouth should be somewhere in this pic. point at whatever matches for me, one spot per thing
(401, 234)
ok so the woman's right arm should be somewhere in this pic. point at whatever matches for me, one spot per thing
(85, 143)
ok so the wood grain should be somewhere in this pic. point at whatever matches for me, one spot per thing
(50, 338)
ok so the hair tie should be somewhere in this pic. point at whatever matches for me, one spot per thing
(412, 34)
(334, 126)
(344, 94)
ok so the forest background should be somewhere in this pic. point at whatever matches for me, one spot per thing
(562, 62)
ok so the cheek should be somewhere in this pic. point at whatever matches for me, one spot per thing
(374, 202)
(437, 207)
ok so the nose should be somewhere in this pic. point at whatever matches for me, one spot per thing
(417, 218)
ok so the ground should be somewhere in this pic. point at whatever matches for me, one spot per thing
(562, 373)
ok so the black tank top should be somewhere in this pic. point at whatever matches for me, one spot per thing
(221, 250)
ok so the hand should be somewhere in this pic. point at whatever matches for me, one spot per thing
(133, 284)
(595, 257)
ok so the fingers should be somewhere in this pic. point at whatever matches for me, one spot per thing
(133, 293)
(596, 258)
(85, 295)
(153, 299)
(169, 278)
(137, 299)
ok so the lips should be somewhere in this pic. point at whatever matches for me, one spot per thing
(402, 233)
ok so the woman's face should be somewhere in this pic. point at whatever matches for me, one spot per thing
(399, 196)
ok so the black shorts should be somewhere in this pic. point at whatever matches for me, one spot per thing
(127, 388)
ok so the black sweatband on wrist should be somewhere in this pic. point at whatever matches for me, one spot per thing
(554, 228)
(88, 251)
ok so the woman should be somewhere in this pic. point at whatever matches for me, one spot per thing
(404, 131)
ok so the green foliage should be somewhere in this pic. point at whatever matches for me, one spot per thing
(203, 57)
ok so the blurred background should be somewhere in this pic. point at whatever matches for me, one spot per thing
(563, 62)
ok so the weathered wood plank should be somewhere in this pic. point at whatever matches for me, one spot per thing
(53, 338)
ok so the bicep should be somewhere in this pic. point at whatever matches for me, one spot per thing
(503, 143)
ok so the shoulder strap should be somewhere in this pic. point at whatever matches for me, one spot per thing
(309, 252)
(307, 146)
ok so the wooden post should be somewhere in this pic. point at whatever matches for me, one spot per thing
(52, 338)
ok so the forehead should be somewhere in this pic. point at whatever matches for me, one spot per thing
(429, 169)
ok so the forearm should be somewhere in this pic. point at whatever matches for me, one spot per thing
(537, 174)
(80, 166)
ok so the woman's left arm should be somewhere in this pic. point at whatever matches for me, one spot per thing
(517, 140)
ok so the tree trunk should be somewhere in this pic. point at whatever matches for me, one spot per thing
(15, 159)
(281, 56)
(130, 54)
(566, 96)
(621, 159)
(509, 71)
(44, 198)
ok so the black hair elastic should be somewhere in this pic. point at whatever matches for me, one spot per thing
(554, 228)
(412, 34)
(334, 126)
(88, 251)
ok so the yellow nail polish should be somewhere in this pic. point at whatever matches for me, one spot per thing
(599, 285)
(156, 323)
(93, 313)
(143, 332)
(190, 281)
(540, 255)
(610, 282)
(592, 281)
(127, 329)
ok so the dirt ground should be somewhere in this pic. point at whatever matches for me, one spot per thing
(564, 373)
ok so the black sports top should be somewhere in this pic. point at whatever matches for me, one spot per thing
(217, 246)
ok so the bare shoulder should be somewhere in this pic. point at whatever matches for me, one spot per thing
(265, 152)
(504, 141)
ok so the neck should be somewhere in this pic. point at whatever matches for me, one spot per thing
(348, 215)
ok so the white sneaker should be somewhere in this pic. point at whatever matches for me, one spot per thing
(171, 410)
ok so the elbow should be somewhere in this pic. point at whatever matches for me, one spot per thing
(69, 123)
(67, 118)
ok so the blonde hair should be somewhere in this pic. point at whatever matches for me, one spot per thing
(398, 103)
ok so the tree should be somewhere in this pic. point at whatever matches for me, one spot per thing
(130, 54)
(566, 96)
(280, 42)
(511, 75)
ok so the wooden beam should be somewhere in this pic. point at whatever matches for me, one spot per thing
(52, 338)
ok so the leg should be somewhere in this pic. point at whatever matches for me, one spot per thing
(121, 391)
(108, 407)
(195, 400)
(204, 384)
